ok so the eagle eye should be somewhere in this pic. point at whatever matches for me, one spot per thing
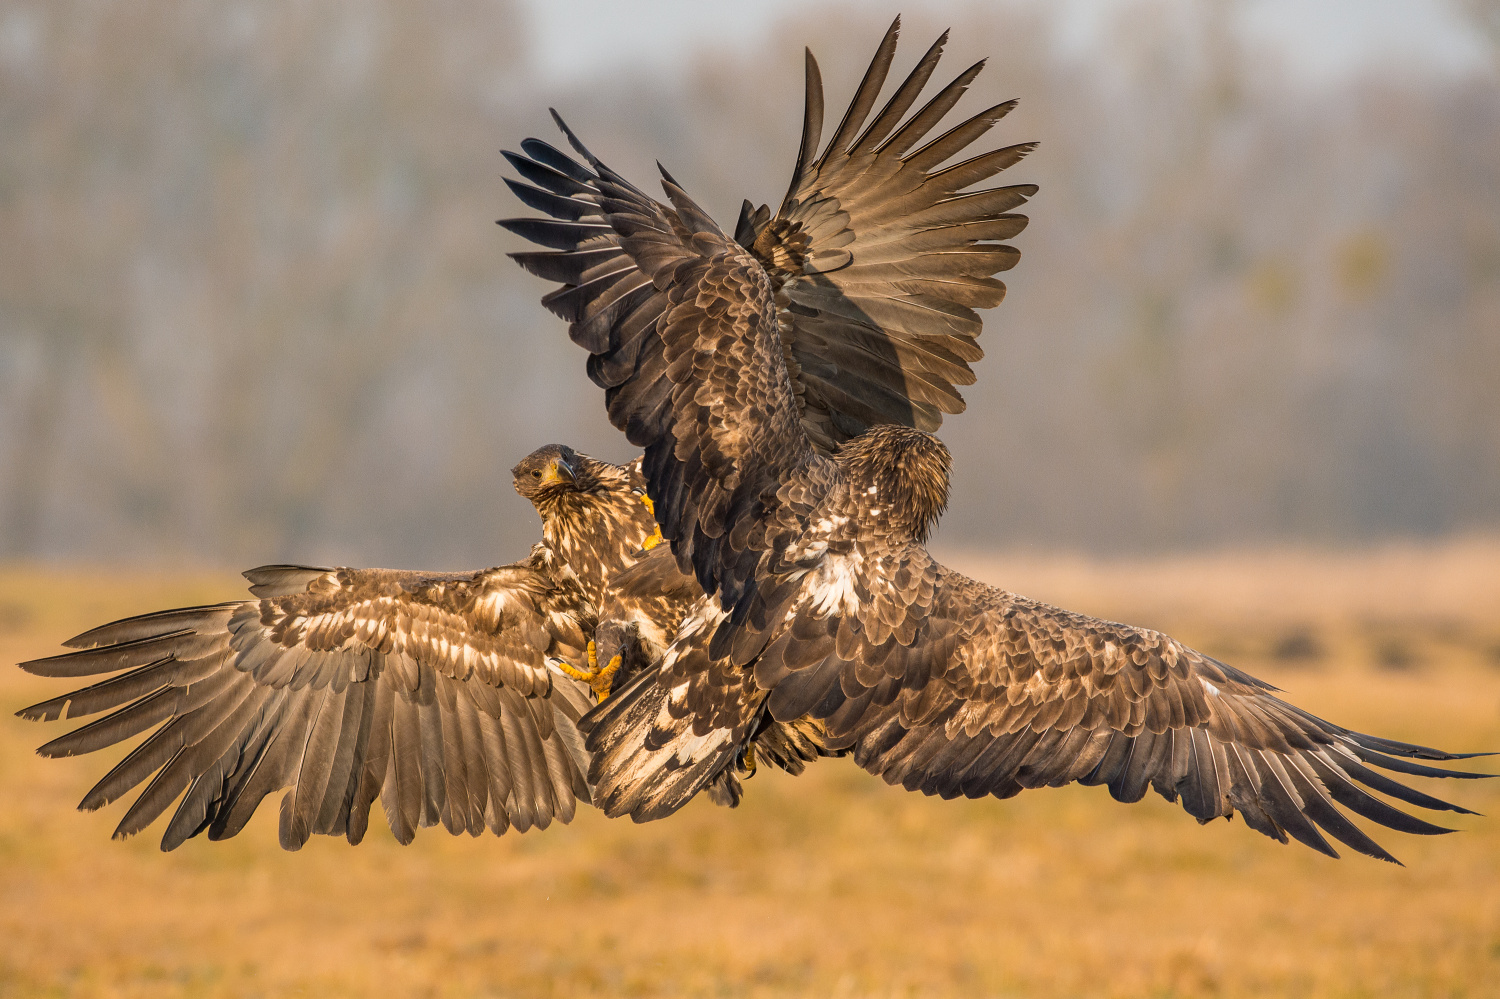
(536, 475)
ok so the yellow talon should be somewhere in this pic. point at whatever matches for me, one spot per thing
(656, 537)
(747, 761)
(599, 680)
(605, 679)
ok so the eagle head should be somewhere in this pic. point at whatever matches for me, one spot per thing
(898, 479)
(546, 471)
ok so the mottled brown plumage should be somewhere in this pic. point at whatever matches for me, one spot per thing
(822, 608)
(436, 692)
(642, 613)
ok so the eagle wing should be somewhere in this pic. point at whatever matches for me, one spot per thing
(431, 691)
(880, 254)
(728, 465)
(953, 687)
(877, 258)
(948, 686)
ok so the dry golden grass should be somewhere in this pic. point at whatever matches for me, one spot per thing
(827, 885)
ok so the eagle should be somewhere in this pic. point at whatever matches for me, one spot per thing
(723, 357)
(451, 696)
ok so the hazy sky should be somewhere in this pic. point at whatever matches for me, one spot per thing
(1322, 40)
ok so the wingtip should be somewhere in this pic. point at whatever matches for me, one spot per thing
(573, 139)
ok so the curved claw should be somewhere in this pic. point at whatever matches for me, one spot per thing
(747, 761)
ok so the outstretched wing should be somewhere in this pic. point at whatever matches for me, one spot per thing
(877, 260)
(946, 685)
(727, 463)
(430, 691)
(951, 687)
(880, 254)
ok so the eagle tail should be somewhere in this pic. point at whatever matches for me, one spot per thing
(646, 762)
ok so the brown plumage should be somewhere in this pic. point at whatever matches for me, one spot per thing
(594, 514)
(431, 691)
(822, 608)
(642, 612)
(876, 260)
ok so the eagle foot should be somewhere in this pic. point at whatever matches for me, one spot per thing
(655, 538)
(599, 679)
(747, 764)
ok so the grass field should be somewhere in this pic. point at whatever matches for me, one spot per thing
(830, 884)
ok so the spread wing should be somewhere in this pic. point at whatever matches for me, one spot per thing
(876, 261)
(430, 691)
(946, 685)
(727, 462)
(951, 687)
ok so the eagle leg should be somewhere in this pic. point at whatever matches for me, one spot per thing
(748, 765)
(655, 538)
(599, 679)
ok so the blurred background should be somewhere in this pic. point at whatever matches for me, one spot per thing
(1245, 389)
(253, 306)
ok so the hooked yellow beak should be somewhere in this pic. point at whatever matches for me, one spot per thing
(558, 471)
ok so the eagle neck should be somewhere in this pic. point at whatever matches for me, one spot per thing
(596, 532)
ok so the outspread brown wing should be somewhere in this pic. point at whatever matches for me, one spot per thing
(877, 259)
(946, 685)
(951, 687)
(430, 691)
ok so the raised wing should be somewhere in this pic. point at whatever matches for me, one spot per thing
(430, 691)
(727, 462)
(880, 254)
(876, 261)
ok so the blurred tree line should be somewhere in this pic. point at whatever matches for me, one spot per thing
(253, 306)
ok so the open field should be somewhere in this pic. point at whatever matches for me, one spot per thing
(827, 885)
